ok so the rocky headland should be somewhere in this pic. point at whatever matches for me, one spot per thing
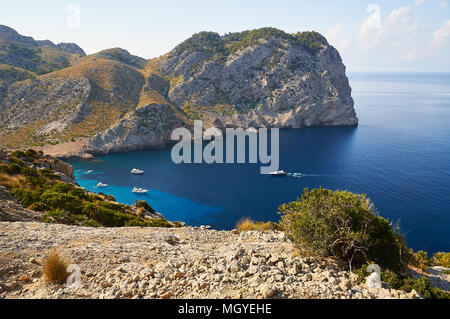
(114, 101)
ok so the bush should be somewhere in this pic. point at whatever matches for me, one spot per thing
(31, 153)
(63, 201)
(28, 171)
(55, 268)
(16, 161)
(158, 223)
(18, 154)
(344, 225)
(26, 196)
(14, 169)
(442, 259)
(421, 260)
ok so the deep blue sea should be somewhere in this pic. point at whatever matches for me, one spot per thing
(399, 156)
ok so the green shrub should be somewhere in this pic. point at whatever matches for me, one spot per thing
(28, 171)
(345, 225)
(158, 223)
(15, 160)
(423, 286)
(30, 153)
(18, 154)
(311, 40)
(421, 260)
(442, 259)
(26, 196)
(14, 169)
(61, 201)
(58, 216)
(35, 181)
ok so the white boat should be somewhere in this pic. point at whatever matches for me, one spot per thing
(101, 185)
(136, 171)
(90, 171)
(139, 190)
(278, 173)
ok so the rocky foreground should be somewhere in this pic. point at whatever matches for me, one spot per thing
(170, 263)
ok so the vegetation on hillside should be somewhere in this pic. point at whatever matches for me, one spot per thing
(213, 43)
(41, 189)
(346, 226)
(35, 59)
(12, 74)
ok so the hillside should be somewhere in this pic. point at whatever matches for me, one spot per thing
(39, 57)
(114, 101)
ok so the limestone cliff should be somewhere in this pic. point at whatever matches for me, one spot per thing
(115, 101)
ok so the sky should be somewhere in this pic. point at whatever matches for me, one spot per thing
(391, 35)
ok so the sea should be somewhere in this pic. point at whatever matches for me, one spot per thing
(399, 156)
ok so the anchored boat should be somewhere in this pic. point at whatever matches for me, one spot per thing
(278, 173)
(138, 190)
(136, 171)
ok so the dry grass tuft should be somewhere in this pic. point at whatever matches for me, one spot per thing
(11, 181)
(247, 224)
(55, 268)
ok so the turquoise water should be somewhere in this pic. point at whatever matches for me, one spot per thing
(399, 156)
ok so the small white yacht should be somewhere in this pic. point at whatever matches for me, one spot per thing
(101, 185)
(138, 190)
(136, 171)
(278, 173)
(90, 171)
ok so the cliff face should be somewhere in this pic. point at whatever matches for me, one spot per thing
(149, 126)
(273, 82)
(114, 101)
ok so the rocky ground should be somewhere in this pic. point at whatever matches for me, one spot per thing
(170, 263)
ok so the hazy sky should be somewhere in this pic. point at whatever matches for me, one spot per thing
(411, 35)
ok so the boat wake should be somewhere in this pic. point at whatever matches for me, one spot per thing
(300, 175)
(296, 175)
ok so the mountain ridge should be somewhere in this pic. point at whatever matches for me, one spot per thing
(256, 78)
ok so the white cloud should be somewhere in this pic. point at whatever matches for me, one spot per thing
(399, 30)
(441, 35)
(417, 2)
(443, 3)
(333, 36)
(399, 40)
